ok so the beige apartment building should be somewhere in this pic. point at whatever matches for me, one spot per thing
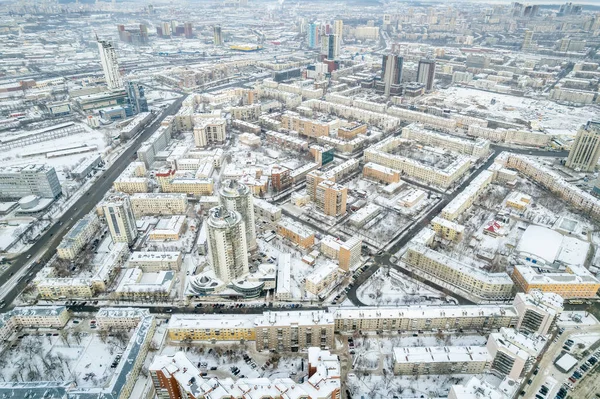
(467, 278)
(380, 173)
(441, 360)
(294, 331)
(145, 204)
(79, 235)
(446, 177)
(331, 198)
(306, 127)
(296, 233)
(155, 261)
(170, 183)
(321, 278)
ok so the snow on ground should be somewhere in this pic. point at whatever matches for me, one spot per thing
(225, 355)
(89, 137)
(86, 357)
(396, 289)
(552, 117)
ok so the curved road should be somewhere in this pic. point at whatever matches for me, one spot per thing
(44, 247)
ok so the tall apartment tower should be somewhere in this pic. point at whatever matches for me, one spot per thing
(313, 35)
(218, 35)
(527, 40)
(330, 46)
(426, 73)
(235, 196)
(120, 219)
(110, 65)
(331, 198)
(338, 30)
(391, 71)
(586, 148)
(227, 249)
(188, 30)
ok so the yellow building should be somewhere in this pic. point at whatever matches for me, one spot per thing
(447, 229)
(132, 185)
(380, 173)
(169, 183)
(351, 131)
(296, 233)
(331, 198)
(304, 126)
(144, 204)
(518, 200)
(566, 284)
(321, 278)
(210, 327)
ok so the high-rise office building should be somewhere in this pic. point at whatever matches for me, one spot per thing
(236, 196)
(426, 73)
(218, 36)
(391, 72)
(188, 30)
(585, 150)
(17, 182)
(313, 35)
(118, 213)
(166, 29)
(227, 248)
(136, 97)
(110, 65)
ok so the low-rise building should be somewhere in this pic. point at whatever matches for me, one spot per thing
(78, 236)
(136, 284)
(155, 261)
(168, 229)
(266, 211)
(448, 230)
(296, 233)
(145, 204)
(441, 360)
(321, 278)
(211, 327)
(566, 284)
(380, 173)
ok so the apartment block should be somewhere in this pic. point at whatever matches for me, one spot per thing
(211, 327)
(306, 127)
(331, 198)
(292, 332)
(155, 261)
(321, 278)
(78, 236)
(566, 284)
(446, 229)
(145, 204)
(441, 360)
(266, 211)
(467, 197)
(380, 173)
(296, 233)
(170, 183)
(427, 318)
(446, 177)
(466, 278)
(538, 311)
(210, 131)
(479, 148)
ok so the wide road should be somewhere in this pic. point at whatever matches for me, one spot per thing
(384, 258)
(43, 249)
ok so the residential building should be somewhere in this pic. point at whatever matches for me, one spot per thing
(469, 279)
(152, 262)
(144, 204)
(512, 352)
(331, 197)
(313, 35)
(168, 229)
(296, 233)
(110, 65)
(210, 131)
(321, 278)
(217, 36)
(176, 377)
(211, 327)
(307, 127)
(137, 285)
(227, 246)
(538, 311)
(585, 150)
(447, 229)
(349, 253)
(78, 236)
(281, 178)
(236, 196)
(566, 284)
(380, 173)
(441, 360)
(119, 216)
(294, 331)
(423, 318)
(266, 211)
